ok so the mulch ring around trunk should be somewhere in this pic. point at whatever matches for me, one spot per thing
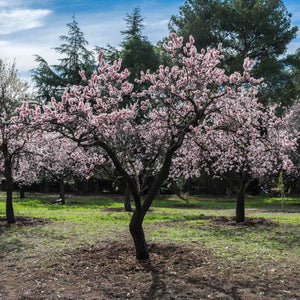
(24, 221)
(222, 220)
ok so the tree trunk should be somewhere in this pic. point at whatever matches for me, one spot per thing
(62, 195)
(240, 204)
(46, 187)
(127, 204)
(9, 190)
(240, 207)
(135, 225)
(22, 194)
(137, 232)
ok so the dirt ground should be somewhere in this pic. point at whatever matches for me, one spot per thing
(24, 222)
(109, 270)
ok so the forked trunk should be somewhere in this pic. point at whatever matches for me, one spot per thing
(127, 204)
(62, 194)
(137, 232)
(135, 225)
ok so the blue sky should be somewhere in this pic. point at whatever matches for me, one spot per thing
(29, 27)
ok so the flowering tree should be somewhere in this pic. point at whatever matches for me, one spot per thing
(292, 127)
(144, 137)
(13, 134)
(249, 143)
(61, 159)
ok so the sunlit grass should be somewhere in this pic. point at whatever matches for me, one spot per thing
(87, 221)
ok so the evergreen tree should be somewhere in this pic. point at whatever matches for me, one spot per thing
(134, 23)
(259, 29)
(293, 66)
(137, 53)
(51, 80)
(198, 18)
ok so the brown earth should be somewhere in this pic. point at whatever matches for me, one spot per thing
(109, 270)
(24, 221)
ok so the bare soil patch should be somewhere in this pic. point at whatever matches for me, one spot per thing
(229, 221)
(24, 222)
(113, 209)
(110, 271)
(120, 209)
(252, 222)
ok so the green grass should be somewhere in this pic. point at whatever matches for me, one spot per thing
(86, 221)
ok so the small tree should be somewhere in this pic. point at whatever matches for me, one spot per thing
(13, 134)
(61, 159)
(250, 146)
(143, 138)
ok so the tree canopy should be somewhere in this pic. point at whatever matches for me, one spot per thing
(258, 29)
(136, 52)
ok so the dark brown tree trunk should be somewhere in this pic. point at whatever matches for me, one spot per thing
(137, 233)
(240, 204)
(9, 190)
(46, 186)
(22, 194)
(62, 194)
(240, 207)
(135, 225)
(127, 204)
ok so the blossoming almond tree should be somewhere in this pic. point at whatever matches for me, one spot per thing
(13, 134)
(178, 99)
(246, 140)
(61, 159)
(292, 127)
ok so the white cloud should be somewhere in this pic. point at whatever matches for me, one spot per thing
(158, 24)
(21, 19)
(24, 54)
(9, 3)
(18, 3)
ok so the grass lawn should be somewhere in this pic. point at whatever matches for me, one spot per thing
(84, 251)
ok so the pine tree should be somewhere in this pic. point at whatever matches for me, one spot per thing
(134, 24)
(51, 80)
(137, 53)
(259, 29)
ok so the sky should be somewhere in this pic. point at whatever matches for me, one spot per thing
(29, 27)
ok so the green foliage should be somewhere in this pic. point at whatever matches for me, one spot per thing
(292, 63)
(76, 56)
(258, 29)
(134, 23)
(136, 52)
(138, 55)
(51, 80)
(110, 53)
(200, 19)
